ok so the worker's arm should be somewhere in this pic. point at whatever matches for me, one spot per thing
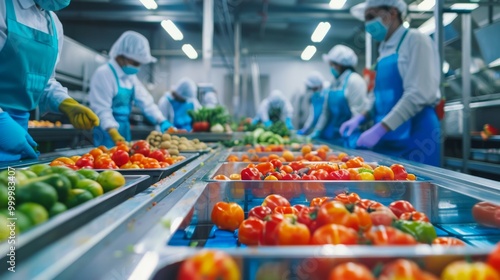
(145, 101)
(103, 89)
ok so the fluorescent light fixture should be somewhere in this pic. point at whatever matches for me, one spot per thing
(426, 5)
(308, 52)
(337, 4)
(320, 32)
(429, 26)
(464, 6)
(189, 51)
(446, 67)
(149, 4)
(494, 63)
(406, 24)
(172, 30)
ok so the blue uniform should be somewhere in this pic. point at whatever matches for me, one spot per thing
(181, 118)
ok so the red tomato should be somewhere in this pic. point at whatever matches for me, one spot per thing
(291, 177)
(368, 204)
(401, 206)
(381, 216)
(347, 198)
(276, 163)
(292, 233)
(278, 175)
(341, 175)
(335, 212)
(351, 271)
(414, 216)
(265, 167)
(104, 162)
(260, 212)
(140, 147)
(299, 207)
(285, 210)
(399, 172)
(209, 265)
(85, 162)
(274, 200)
(401, 269)
(487, 214)
(120, 157)
(157, 154)
(334, 234)
(227, 216)
(494, 258)
(250, 173)
(448, 241)
(307, 216)
(383, 236)
(309, 177)
(296, 165)
(383, 173)
(268, 235)
(287, 169)
(250, 230)
(318, 201)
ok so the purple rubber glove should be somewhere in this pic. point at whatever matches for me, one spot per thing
(349, 126)
(371, 137)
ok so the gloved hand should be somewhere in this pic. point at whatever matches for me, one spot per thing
(255, 121)
(315, 134)
(288, 123)
(15, 139)
(115, 135)
(349, 126)
(371, 137)
(81, 117)
(268, 123)
(165, 125)
(301, 132)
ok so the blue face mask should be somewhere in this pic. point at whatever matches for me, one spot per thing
(52, 5)
(377, 29)
(130, 70)
(335, 73)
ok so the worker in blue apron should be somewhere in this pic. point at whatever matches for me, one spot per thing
(406, 87)
(346, 97)
(176, 104)
(276, 107)
(28, 55)
(114, 88)
(314, 84)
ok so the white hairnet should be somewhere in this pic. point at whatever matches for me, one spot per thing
(314, 80)
(342, 55)
(276, 98)
(186, 88)
(358, 11)
(210, 99)
(134, 46)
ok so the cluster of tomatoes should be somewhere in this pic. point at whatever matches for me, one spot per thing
(344, 219)
(352, 169)
(307, 154)
(138, 156)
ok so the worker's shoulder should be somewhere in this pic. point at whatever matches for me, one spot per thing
(58, 24)
(414, 36)
(355, 78)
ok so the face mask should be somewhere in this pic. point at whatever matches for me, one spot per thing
(130, 70)
(52, 5)
(377, 29)
(335, 73)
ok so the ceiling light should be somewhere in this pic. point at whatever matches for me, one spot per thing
(172, 30)
(406, 24)
(495, 63)
(320, 32)
(337, 4)
(149, 4)
(429, 26)
(426, 5)
(189, 51)
(308, 52)
(464, 6)
(446, 67)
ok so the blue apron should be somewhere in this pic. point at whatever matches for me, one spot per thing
(416, 138)
(317, 100)
(339, 111)
(122, 107)
(27, 61)
(181, 118)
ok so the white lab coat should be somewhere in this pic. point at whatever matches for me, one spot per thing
(265, 106)
(103, 89)
(28, 14)
(166, 107)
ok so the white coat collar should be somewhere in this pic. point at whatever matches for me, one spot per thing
(26, 4)
(118, 69)
(394, 39)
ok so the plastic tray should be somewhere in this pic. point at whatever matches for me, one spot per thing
(206, 136)
(478, 154)
(493, 156)
(156, 174)
(55, 228)
(209, 148)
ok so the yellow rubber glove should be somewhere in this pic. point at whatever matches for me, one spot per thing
(81, 117)
(115, 135)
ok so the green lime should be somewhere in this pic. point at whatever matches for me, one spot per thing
(89, 173)
(4, 228)
(77, 197)
(34, 211)
(4, 196)
(39, 168)
(59, 169)
(110, 180)
(73, 177)
(57, 209)
(361, 170)
(39, 192)
(90, 185)
(18, 177)
(23, 223)
(29, 174)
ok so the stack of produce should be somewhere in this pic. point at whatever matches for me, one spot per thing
(43, 191)
(210, 120)
(138, 155)
(35, 123)
(173, 143)
(323, 153)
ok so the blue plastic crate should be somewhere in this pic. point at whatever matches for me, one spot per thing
(440, 232)
(469, 230)
(480, 241)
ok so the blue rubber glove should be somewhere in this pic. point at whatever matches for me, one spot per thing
(165, 125)
(15, 139)
(315, 134)
(349, 126)
(372, 136)
(301, 132)
(255, 121)
(268, 123)
(288, 123)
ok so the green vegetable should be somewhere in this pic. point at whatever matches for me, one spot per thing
(422, 231)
